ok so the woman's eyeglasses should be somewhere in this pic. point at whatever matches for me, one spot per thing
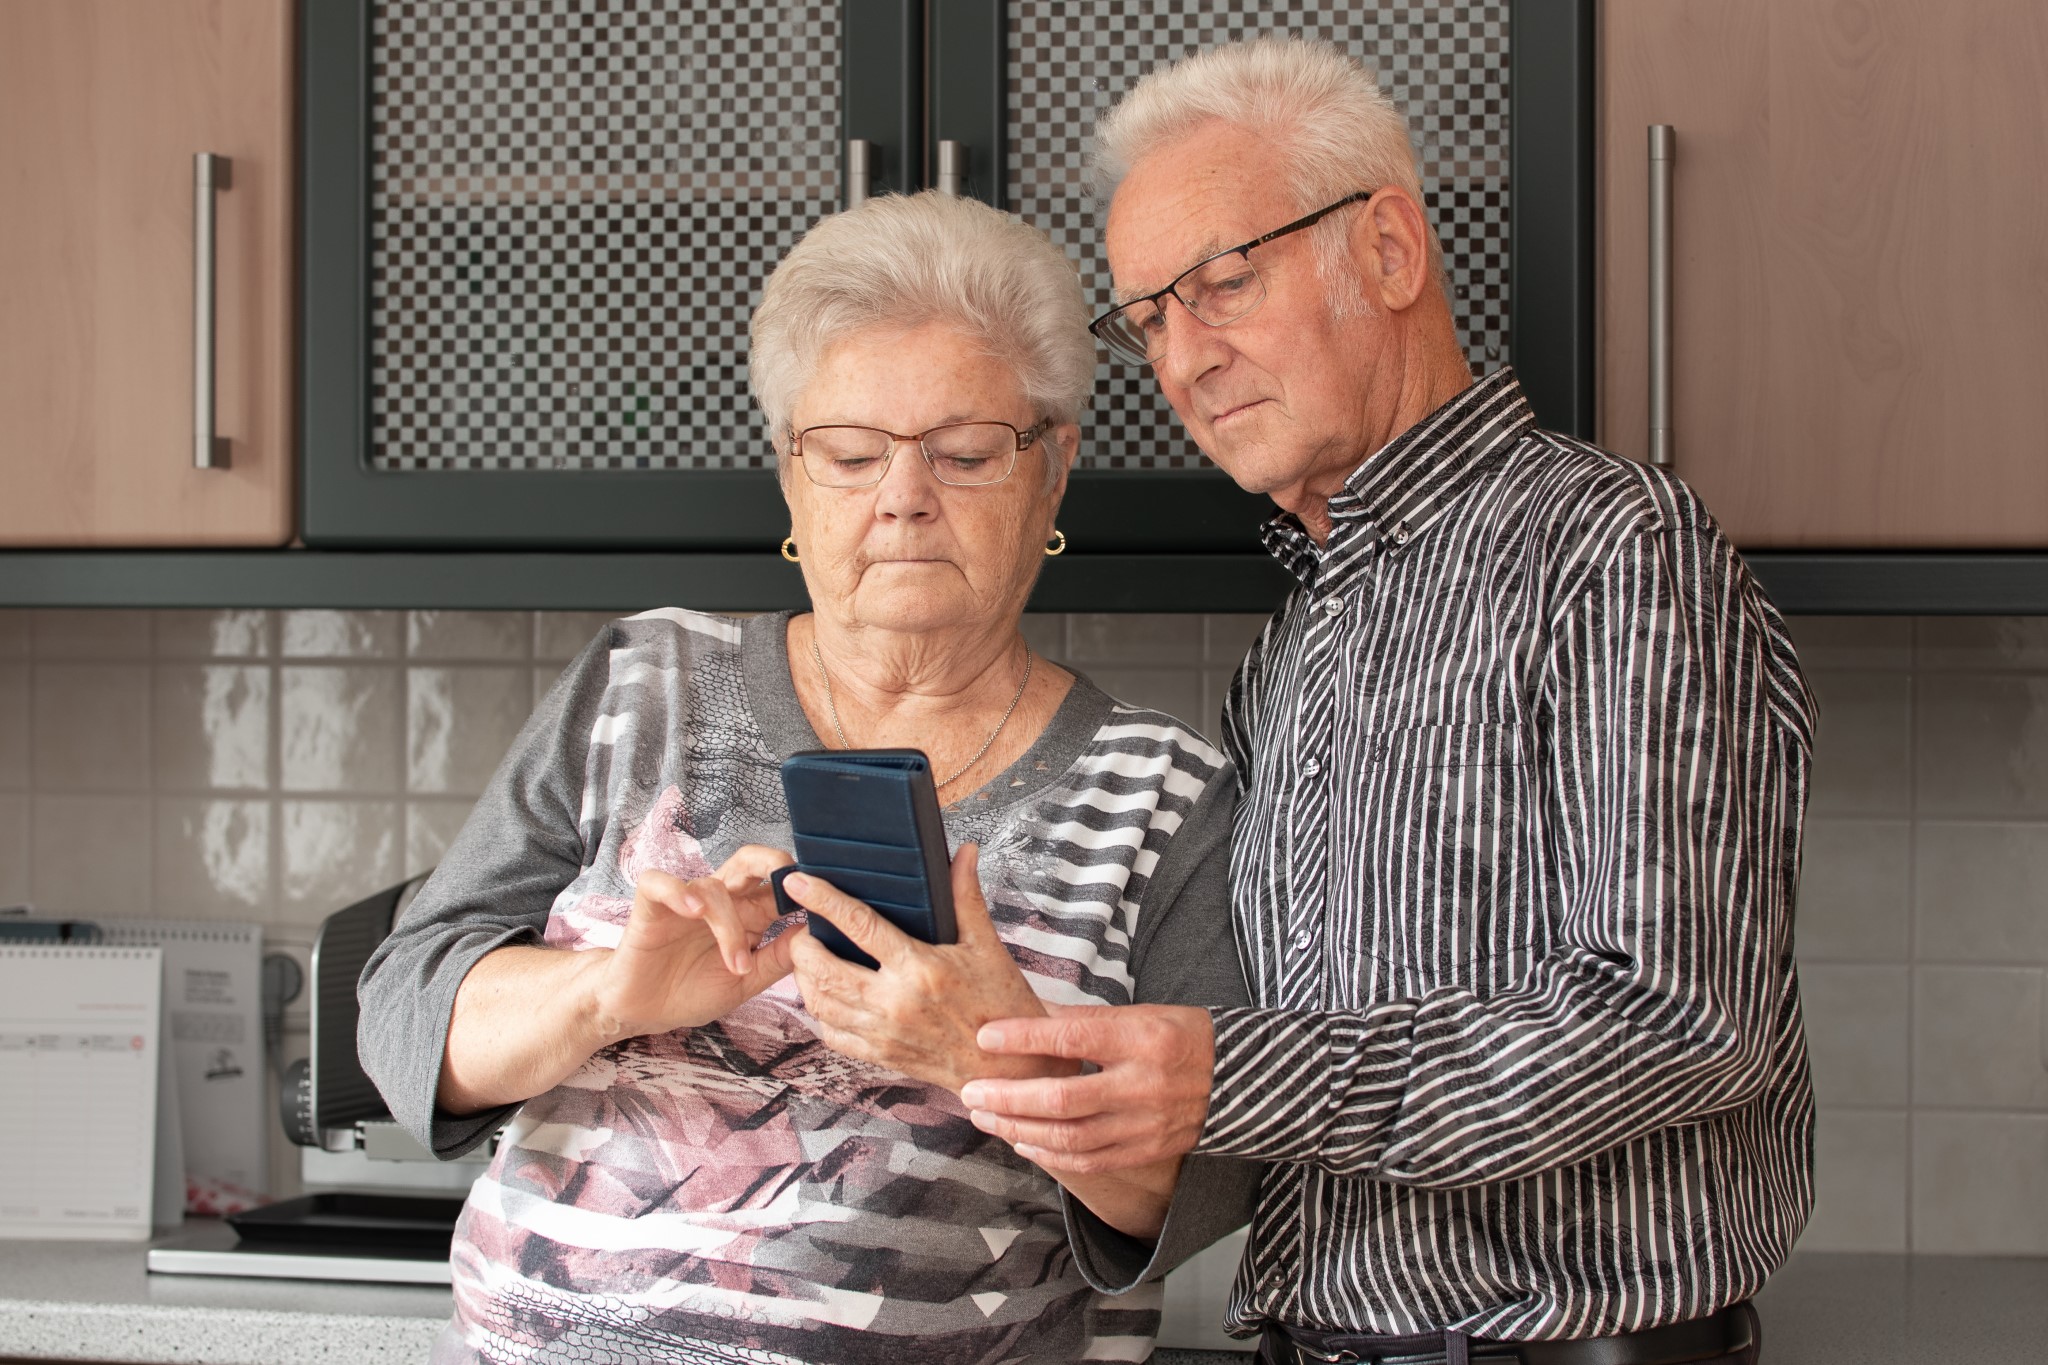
(965, 454)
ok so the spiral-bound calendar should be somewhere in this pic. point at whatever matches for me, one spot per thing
(79, 1050)
(213, 1019)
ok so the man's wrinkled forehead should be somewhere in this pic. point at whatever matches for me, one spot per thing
(1185, 202)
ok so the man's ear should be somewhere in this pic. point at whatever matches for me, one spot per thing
(1390, 241)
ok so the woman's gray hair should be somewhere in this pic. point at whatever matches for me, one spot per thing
(902, 261)
(1335, 129)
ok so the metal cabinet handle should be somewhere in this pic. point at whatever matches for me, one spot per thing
(952, 167)
(210, 173)
(1663, 149)
(860, 169)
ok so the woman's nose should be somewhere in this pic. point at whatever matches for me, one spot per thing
(908, 487)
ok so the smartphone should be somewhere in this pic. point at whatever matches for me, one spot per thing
(867, 821)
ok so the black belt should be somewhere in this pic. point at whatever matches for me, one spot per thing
(1732, 1333)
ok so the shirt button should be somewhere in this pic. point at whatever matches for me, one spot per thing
(1312, 767)
(1333, 606)
(1302, 939)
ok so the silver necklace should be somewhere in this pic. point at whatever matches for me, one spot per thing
(832, 708)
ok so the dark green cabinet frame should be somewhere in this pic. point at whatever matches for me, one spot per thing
(346, 503)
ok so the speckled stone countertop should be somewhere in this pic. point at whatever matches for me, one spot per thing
(94, 1301)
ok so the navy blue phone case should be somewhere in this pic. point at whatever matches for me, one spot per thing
(867, 821)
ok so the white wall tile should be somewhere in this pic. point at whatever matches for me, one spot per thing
(1980, 892)
(341, 634)
(1862, 763)
(1860, 1163)
(14, 726)
(91, 727)
(1227, 638)
(15, 823)
(1980, 1184)
(1154, 640)
(1982, 642)
(75, 633)
(340, 729)
(1215, 691)
(481, 635)
(1981, 745)
(1855, 891)
(1852, 642)
(1856, 1035)
(1046, 632)
(1176, 691)
(90, 855)
(333, 853)
(1977, 1037)
(459, 722)
(559, 636)
(213, 858)
(215, 635)
(212, 727)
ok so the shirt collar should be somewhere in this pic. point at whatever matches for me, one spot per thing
(1411, 481)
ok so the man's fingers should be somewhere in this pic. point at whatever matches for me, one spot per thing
(1076, 1032)
(1064, 1098)
(868, 931)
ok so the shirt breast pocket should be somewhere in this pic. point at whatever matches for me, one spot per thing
(1446, 872)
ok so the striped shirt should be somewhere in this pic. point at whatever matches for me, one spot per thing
(1524, 757)
(738, 1191)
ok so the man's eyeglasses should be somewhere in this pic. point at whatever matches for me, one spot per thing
(1221, 289)
(965, 454)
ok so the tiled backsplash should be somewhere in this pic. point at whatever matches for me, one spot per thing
(274, 766)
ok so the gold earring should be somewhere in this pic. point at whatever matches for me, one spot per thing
(1058, 548)
(789, 549)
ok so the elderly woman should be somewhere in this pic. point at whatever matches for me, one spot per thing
(696, 1168)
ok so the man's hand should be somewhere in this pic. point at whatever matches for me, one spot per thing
(1145, 1105)
(918, 1013)
(692, 949)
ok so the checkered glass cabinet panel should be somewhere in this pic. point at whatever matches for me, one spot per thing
(573, 206)
(1445, 65)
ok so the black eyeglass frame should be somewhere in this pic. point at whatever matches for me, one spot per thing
(1124, 350)
(1026, 438)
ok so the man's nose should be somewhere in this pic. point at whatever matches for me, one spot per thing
(1188, 347)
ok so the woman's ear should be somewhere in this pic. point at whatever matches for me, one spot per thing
(1060, 445)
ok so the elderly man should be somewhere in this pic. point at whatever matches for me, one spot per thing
(1523, 763)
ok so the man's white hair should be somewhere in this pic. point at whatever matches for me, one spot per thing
(899, 262)
(1324, 113)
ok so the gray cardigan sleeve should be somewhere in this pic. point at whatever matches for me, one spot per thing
(495, 886)
(1185, 954)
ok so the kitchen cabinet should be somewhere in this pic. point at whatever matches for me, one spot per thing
(1860, 263)
(103, 106)
(533, 237)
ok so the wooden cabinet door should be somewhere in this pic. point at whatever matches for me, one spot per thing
(103, 104)
(1861, 263)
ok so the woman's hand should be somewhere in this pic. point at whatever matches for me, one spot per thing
(919, 1013)
(692, 950)
(526, 1017)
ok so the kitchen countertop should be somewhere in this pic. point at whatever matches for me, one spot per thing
(94, 1301)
